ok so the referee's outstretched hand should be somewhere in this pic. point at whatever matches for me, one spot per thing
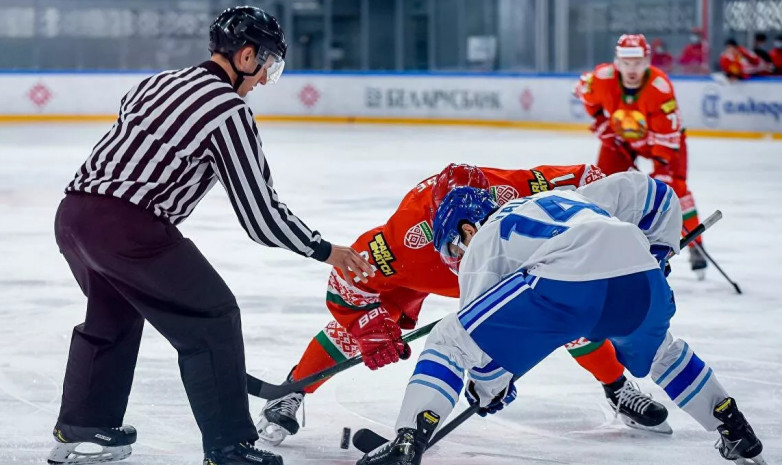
(347, 259)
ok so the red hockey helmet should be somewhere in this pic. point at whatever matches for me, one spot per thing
(455, 176)
(632, 46)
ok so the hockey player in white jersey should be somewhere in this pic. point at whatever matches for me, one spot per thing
(548, 269)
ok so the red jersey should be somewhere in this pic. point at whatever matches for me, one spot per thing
(407, 267)
(648, 120)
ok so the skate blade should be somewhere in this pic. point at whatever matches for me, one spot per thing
(66, 453)
(662, 428)
(270, 433)
(756, 460)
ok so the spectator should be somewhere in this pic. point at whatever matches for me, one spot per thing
(694, 59)
(765, 65)
(776, 55)
(737, 62)
(660, 56)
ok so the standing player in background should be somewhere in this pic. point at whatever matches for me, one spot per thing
(178, 133)
(636, 114)
(370, 317)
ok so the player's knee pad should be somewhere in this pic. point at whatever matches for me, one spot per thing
(687, 380)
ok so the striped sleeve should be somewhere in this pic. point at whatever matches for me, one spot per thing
(240, 165)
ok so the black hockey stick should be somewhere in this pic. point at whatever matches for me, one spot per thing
(713, 262)
(367, 440)
(266, 390)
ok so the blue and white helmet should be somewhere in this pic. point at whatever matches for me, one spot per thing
(462, 204)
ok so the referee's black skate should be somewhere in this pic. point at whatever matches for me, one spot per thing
(278, 417)
(737, 439)
(241, 454)
(635, 408)
(80, 444)
(409, 445)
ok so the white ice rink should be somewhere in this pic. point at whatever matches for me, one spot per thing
(343, 180)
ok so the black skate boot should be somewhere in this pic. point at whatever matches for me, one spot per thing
(698, 262)
(737, 440)
(114, 444)
(635, 408)
(241, 454)
(409, 445)
(278, 417)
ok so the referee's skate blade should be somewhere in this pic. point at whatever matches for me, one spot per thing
(75, 453)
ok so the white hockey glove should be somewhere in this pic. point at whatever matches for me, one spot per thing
(492, 395)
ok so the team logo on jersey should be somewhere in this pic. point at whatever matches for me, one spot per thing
(630, 125)
(503, 194)
(539, 184)
(419, 235)
(382, 255)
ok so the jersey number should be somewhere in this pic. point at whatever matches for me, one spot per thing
(557, 208)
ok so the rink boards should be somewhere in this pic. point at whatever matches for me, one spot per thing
(536, 101)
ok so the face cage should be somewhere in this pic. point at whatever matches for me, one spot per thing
(272, 61)
(447, 255)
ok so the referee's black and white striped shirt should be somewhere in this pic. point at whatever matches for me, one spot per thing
(178, 132)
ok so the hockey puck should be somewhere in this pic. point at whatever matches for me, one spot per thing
(345, 443)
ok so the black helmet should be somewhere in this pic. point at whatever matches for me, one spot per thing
(237, 27)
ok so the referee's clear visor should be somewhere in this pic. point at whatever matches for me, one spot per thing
(273, 63)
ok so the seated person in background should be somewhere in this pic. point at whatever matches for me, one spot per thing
(693, 58)
(737, 62)
(776, 55)
(660, 56)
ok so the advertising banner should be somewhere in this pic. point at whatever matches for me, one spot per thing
(705, 104)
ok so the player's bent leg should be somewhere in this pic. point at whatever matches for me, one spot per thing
(634, 407)
(329, 347)
(694, 387)
(610, 160)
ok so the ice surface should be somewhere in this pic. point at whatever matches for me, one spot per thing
(343, 180)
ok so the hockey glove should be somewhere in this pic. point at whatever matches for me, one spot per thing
(486, 395)
(379, 339)
(661, 253)
(601, 127)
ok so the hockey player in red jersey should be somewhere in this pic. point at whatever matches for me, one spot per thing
(370, 317)
(636, 114)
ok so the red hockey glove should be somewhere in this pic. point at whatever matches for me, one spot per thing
(601, 127)
(379, 339)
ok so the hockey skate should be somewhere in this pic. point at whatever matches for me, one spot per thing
(79, 445)
(409, 445)
(698, 262)
(278, 417)
(737, 441)
(241, 454)
(635, 408)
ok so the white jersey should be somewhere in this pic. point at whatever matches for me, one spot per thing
(602, 230)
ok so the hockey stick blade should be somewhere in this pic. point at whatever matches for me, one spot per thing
(266, 390)
(366, 440)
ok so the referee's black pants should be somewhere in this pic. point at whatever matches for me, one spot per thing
(133, 267)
